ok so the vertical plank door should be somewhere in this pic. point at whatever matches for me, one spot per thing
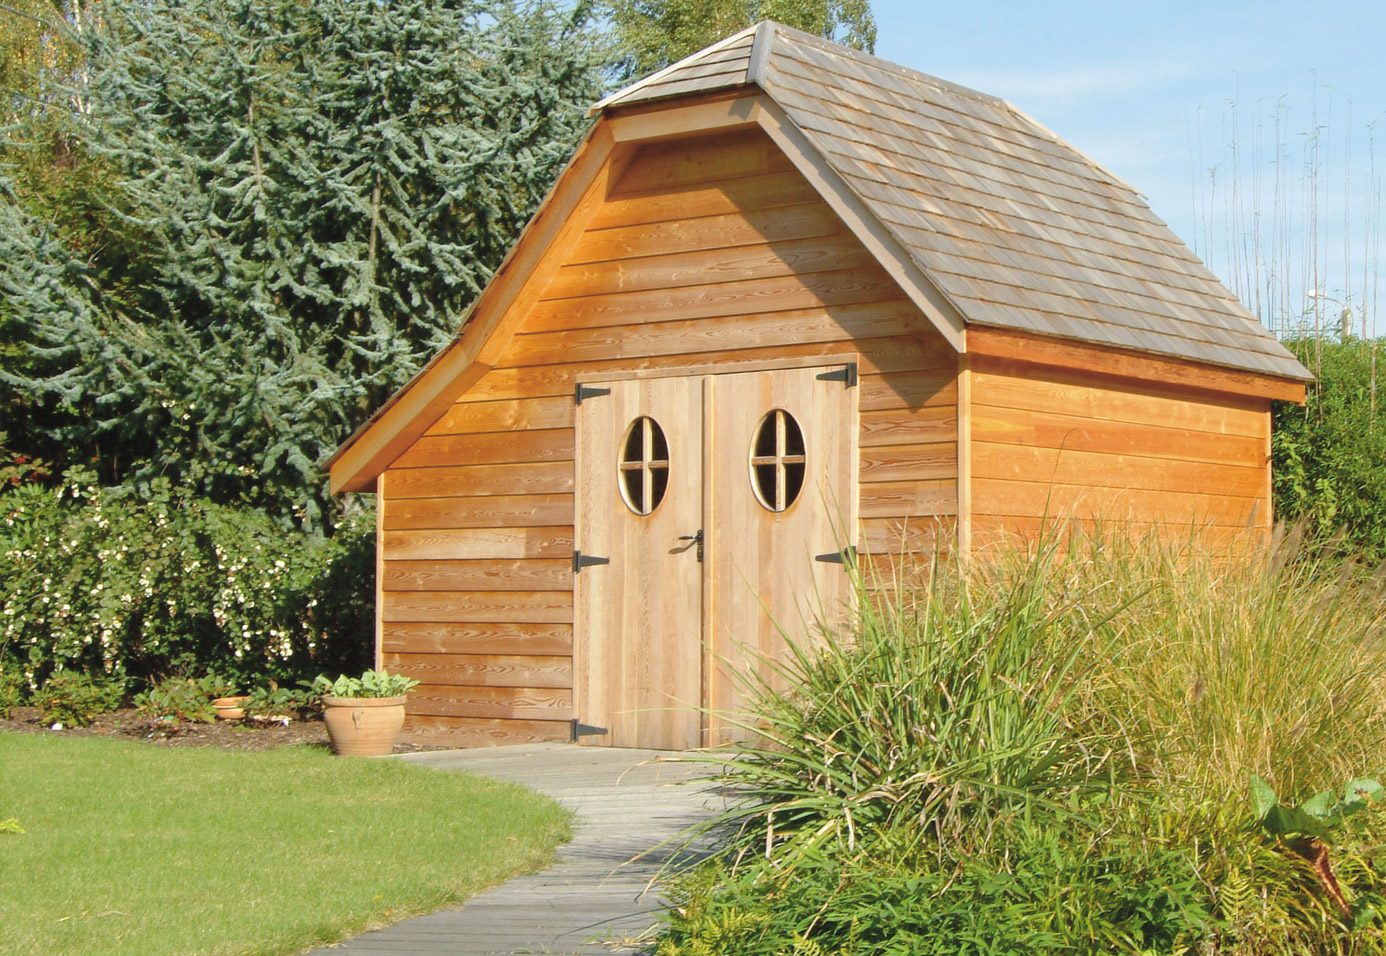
(638, 618)
(783, 503)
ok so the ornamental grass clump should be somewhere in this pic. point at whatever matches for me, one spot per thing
(943, 709)
(1268, 661)
(1052, 749)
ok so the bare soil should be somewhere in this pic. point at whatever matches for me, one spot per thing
(227, 734)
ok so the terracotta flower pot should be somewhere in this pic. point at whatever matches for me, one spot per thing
(363, 726)
(230, 708)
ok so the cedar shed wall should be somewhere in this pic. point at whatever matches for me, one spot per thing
(1049, 442)
(705, 252)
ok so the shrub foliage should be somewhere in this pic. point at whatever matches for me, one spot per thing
(282, 210)
(1328, 454)
(175, 585)
(74, 699)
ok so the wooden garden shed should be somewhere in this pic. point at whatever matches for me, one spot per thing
(786, 300)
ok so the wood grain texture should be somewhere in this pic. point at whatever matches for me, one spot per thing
(906, 462)
(468, 418)
(638, 633)
(767, 579)
(692, 336)
(506, 447)
(993, 496)
(964, 449)
(485, 670)
(487, 574)
(1137, 366)
(477, 511)
(896, 359)
(908, 499)
(476, 637)
(1059, 445)
(713, 159)
(1079, 433)
(804, 220)
(1021, 386)
(918, 535)
(837, 251)
(478, 543)
(732, 196)
(513, 607)
(1000, 532)
(833, 287)
(1100, 469)
(377, 649)
(896, 426)
(926, 386)
(482, 731)
(705, 257)
(509, 703)
(537, 478)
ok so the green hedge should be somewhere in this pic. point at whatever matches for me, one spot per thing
(98, 581)
(1330, 454)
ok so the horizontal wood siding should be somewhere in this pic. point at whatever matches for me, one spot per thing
(706, 253)
(1049, 443)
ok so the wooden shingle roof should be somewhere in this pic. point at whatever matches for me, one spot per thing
(1017, 229)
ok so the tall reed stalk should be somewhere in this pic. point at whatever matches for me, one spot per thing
(1288, 222)
(1268, 662)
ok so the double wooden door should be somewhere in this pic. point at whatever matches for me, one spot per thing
(713, 512)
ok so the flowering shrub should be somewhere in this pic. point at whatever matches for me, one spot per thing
(93, 580)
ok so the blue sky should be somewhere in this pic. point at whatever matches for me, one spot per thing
(1158, 92)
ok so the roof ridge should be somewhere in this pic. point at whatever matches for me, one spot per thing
(879, 63)
(658, 75)
(761, 48)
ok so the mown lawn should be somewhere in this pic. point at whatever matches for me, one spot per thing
(134, 849)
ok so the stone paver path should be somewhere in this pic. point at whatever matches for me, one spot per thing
(594, 899)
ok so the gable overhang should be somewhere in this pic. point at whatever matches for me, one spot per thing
(580, 189)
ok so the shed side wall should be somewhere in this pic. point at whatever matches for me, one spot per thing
(705, 254)
(1053, 443)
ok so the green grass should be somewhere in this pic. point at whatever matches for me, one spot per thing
(133, 849)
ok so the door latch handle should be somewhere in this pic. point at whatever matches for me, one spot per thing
(697, 539)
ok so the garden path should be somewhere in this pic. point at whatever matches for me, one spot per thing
(593, 900)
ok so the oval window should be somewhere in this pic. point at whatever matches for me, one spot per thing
(777, 460)
(644, 466)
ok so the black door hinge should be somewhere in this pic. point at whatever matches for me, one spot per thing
(847, 555)
(847, 375)
(579, 729)
(581, 561)
(581, 391)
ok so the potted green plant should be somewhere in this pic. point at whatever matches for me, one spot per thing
(365, 714)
